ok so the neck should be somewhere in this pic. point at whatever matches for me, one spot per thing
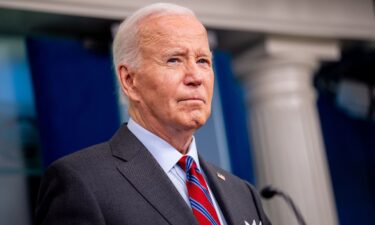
(180, 139)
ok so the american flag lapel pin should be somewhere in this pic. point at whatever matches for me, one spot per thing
(221, 176)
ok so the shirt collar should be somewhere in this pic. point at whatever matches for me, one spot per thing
(164, 153)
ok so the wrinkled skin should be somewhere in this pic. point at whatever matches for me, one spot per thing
(170, 92)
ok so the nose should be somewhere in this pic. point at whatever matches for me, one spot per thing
(193, 75)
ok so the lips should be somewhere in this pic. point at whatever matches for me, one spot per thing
(192, 99)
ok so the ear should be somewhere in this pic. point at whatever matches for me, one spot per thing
(127, 82)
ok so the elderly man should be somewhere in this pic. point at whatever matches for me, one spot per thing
(150, 171)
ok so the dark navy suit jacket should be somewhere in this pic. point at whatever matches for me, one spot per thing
(120, 183)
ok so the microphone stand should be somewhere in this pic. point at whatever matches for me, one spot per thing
(268, 192)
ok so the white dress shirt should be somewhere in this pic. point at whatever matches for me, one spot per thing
(167, 157)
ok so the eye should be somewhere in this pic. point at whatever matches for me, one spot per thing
(173, 60)
(203, 61)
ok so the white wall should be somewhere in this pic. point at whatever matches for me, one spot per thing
(353, 19)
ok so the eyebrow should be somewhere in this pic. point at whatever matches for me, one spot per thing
(175, 52)
(206, 54)
(183, 52)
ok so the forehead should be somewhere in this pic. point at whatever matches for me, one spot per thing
(172, 29)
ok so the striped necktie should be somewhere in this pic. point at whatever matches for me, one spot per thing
(199, 196)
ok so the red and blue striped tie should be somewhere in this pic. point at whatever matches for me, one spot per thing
(199, 196)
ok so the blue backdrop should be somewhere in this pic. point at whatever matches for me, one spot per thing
(75, 95)
(234, 110)
(350, 146)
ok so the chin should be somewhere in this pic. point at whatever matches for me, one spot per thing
(191, 127)
(192, 120)
(196, 122)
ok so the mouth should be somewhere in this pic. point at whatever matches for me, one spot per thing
(192, 100)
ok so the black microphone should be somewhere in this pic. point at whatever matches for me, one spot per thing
(268, 192)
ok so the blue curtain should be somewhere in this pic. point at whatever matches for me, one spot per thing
(75, 95)
(234, 110)
(350, 146)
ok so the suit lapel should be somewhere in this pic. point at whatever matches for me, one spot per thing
(216, 181)
(140, 168)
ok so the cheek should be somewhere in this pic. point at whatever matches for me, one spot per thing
(163, 95)
(148, 85)
(210, 85)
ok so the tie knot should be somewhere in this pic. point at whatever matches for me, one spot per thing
(187, 163)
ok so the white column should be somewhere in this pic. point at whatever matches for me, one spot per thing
(284, 125)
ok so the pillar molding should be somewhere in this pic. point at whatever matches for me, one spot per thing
(284, 125)
(318, 18)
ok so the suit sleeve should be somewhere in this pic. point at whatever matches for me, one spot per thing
(64, 199)
(256, 197)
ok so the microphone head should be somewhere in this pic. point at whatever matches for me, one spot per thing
(268, 192)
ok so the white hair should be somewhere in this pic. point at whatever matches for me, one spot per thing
(126, 42)
(125, 48)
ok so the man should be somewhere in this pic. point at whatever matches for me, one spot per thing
(150, 172)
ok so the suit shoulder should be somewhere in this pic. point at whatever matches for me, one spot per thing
(234, 180)
(89, 155)
(223, 172)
